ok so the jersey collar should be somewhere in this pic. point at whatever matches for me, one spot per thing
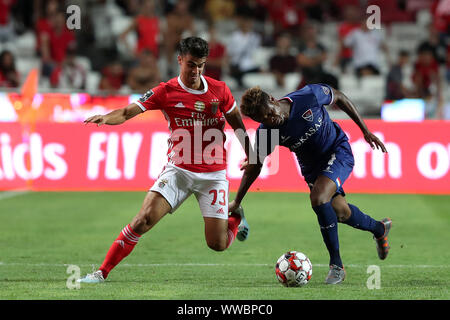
(204, 90)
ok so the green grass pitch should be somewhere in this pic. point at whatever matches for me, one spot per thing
(42, 233)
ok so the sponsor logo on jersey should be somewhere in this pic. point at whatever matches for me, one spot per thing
(189, 122)
(179, 105)
(146, 96)
(311, 131)
(308, 115)
(283, 139)
(199, 106)
(326, 90)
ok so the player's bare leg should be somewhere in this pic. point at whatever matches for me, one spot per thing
(341, 208)
(216, 233)
(154, 207)
(221, 233)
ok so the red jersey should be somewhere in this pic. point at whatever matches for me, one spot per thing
(148, 31)
(59, 42)
(5, 10)
(196, 121)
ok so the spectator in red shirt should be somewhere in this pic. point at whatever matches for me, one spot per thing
(6, 24)
(9, 77)
(351, 21)
(43, 24)
(55, 44)
(426, 71)
(426, 78)
(441, 15)
(113, 77)
(146, 25)
(217, 56)
(286, 15)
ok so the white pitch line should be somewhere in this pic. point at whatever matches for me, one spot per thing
(141, 265)
(11, 194)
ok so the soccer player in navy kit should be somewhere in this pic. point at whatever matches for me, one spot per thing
(324, 155)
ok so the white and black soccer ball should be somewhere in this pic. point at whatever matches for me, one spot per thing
(293, 269)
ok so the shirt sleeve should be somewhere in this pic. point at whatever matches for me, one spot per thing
(323, 94)
(153, 99)
(228, 100)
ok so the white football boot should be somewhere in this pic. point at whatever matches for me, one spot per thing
(243, 228)
(95, 277)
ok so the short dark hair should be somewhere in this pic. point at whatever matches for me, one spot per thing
(253, 100)
(194, 46)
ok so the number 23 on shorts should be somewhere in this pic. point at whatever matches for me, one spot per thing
(222, 196)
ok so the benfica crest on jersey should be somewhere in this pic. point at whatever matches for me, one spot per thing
(308, 115)
(163, 183)
(214, 106)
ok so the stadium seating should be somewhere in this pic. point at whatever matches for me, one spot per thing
(291, 81)
(262, 56)
(92, 81)
(400, 34)
(266, 81)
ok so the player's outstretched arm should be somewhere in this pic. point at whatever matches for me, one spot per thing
(115, 117)
(251, 173)
(235, 120)
(349, 108)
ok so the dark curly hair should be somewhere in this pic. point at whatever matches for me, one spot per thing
(253, 100)
(194, 46)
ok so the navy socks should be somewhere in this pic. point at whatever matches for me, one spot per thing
(361, 221)
(328, 227)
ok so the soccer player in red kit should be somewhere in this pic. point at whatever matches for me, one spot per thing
(196, 108)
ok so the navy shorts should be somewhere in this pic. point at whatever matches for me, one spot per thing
(336, 165)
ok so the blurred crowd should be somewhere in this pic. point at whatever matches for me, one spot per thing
(131, 44)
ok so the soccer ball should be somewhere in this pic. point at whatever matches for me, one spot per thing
(293, 269)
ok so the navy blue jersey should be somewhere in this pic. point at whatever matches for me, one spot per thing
(309, 132)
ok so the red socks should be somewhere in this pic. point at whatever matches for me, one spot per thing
(120, 248)
(233, 222)
(127, 240)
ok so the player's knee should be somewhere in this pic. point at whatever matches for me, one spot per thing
(139, 225)
(217, 245)
(142, 223)
(318, 199)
